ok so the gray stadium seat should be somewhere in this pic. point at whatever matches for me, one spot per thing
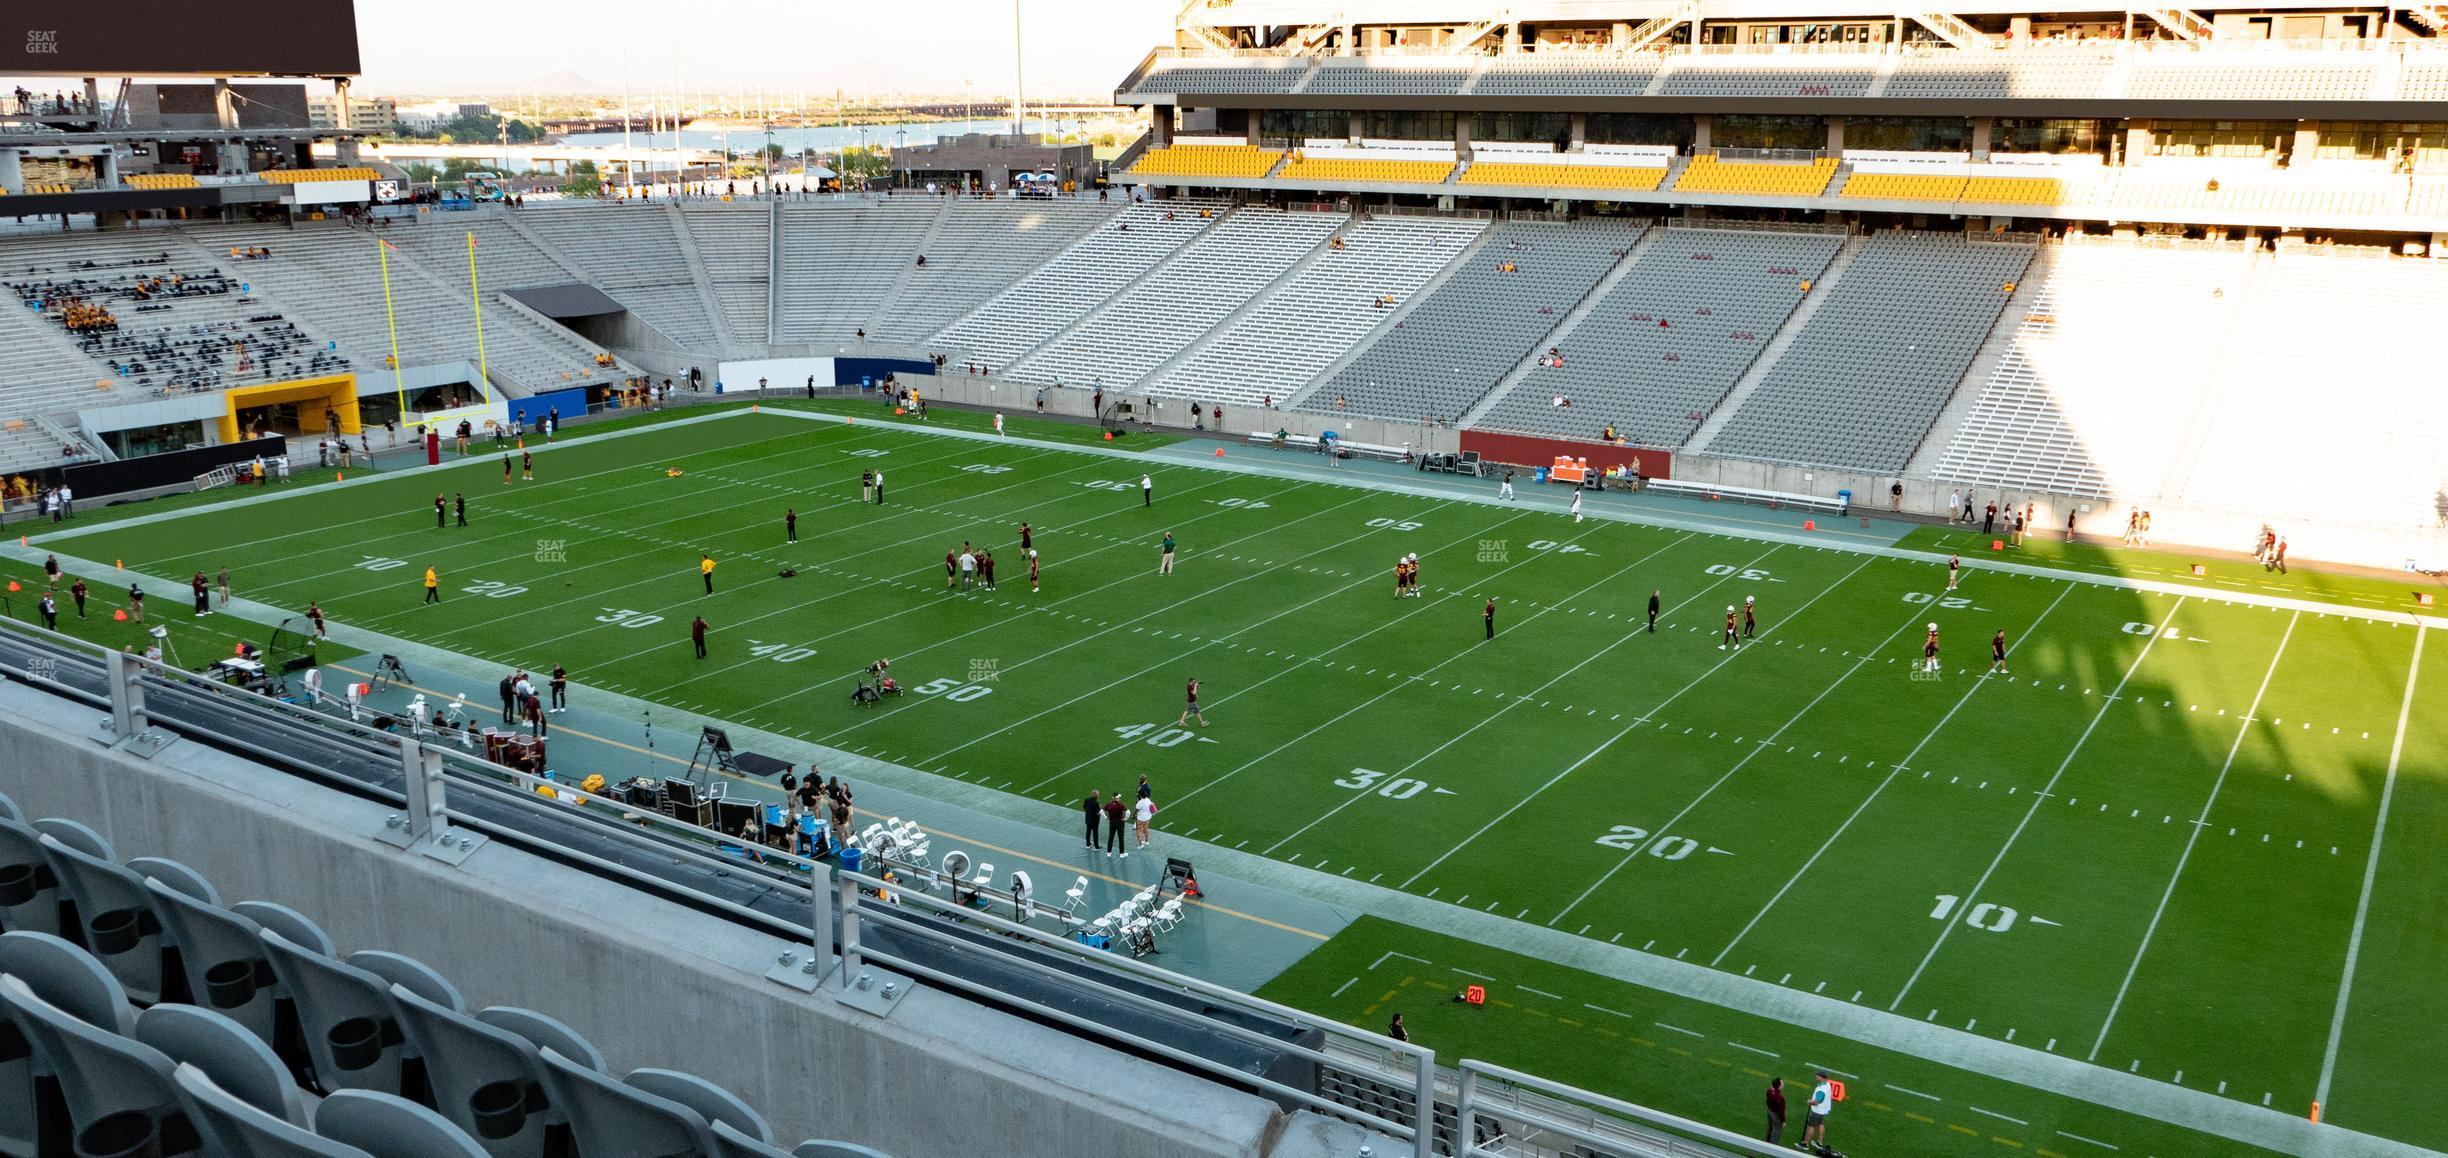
(118, 1094)
(544, 1032)
(415, 975)
(346, 1015)
(29, 890)
(232, 1128)
(611, 1118)
(389, 1126)
(823, 1149)
(238, 1062)
(487, 1081)
(715, 1104)
(114, 912)
(289, 923)
(222, 955)
(73, 982)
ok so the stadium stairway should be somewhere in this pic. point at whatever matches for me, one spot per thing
(1123, 292)
(1255, 301)
(698, 275)
(1393, 321)
(1821, 290)
(1564, 327)
(888, 303)
(2002, 339)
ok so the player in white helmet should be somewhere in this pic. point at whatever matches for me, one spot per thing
(1750, 617)
(1729, 628)
(1929, 650)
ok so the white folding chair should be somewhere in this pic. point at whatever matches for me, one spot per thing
(1168, 916)
(1076, 896)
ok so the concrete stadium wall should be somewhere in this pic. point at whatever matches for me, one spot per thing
(1174, 413)
(651, 984)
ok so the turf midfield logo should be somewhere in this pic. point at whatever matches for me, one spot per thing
(552, 551)
(1495, 551)
(982, 671)
(40, 668)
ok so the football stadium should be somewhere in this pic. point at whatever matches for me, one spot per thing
(1562, 579)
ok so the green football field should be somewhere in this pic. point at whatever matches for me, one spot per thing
(2187, 839)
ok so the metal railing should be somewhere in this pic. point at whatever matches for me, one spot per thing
(450, 802)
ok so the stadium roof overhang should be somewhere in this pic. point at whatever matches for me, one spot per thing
(2122, 109)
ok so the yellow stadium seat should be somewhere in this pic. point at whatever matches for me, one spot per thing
(1206, 161)
(1343, 170)
(295, 176)
(1607, 178)
(1905, 186)
(2015, 190)
(1706, 174)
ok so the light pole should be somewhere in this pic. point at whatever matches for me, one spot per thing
(901, 150)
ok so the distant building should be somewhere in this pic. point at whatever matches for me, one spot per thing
(1002, 160)
(366, 114)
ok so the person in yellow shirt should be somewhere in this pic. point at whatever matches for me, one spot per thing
(705, 569)
(433, 586)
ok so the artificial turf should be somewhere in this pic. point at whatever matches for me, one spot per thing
(2146, 847)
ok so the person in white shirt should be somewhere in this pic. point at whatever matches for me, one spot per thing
(1147, 491)
(1145, 811)
(968, 566)
(1576, 510)
(1822, 1100)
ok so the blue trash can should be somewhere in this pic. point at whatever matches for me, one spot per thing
(1845, 498)
(850, 858)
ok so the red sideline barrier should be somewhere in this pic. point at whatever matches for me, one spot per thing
(1524, 451)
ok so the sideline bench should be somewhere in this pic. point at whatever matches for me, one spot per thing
(1767, 498)
(1349, 448)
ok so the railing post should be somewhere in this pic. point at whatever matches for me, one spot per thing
(1424, 1081)
(850, 963)
(129, 724)
(809, 975)
(425, 826)
(1466, 1095)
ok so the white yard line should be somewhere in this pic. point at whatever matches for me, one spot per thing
(2200, 822)
(2371, 870)
(1297, 666)
(1499, 713)
(2115, 696)
(1764, 745)
(1176, 658)
(1346, 713)
(1893, 771)
(834, 737)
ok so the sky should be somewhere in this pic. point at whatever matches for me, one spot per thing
(863, 47)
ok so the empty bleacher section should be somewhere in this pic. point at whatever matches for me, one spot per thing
(2045, 71)
(506, 259)
(1309, 321)
(1186, 160)
(631, 252)
(1752, 76)
(286, 1060)
(307, 176)
(1389, 75)
(1870, 370)
(1063, 290)
(979, 247)
(1660, 349)
(1224, 76)
(2246, 189)
(840, 259)
(2080, 404)
(2176, 74)
(1565, 74)
(159, 324)
(2308, 423)
(332, 278)
(1328, 167)
(733, 241)
(1707, 174)
(1145, 326)
(1518, 170)
(1477, 325)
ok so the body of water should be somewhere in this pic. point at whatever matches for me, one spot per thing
(824, 138)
